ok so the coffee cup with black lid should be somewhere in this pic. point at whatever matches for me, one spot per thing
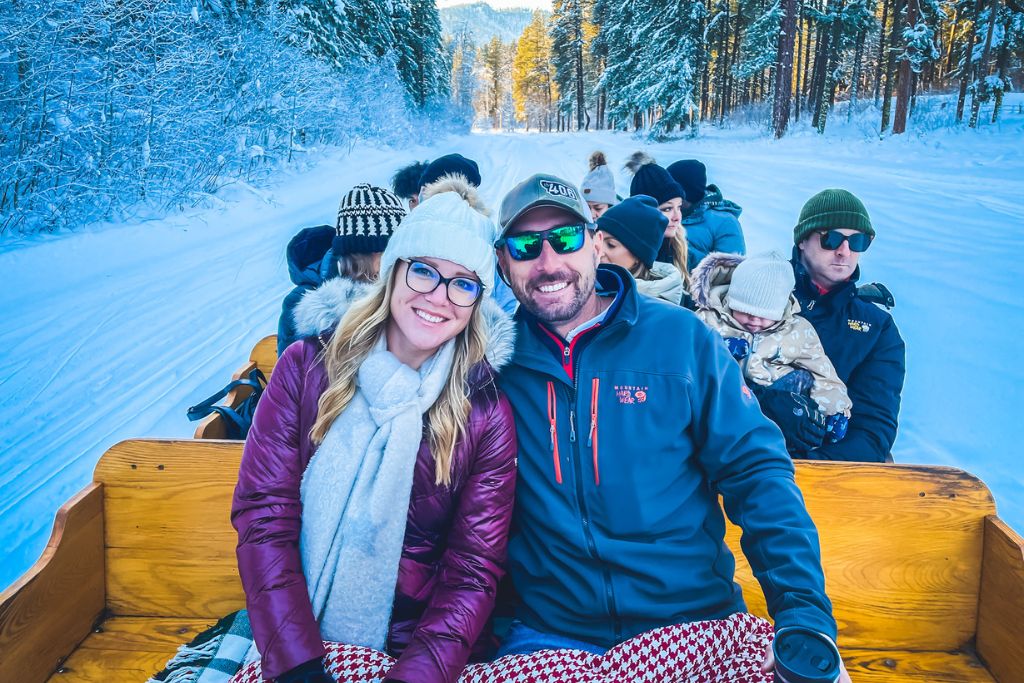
(803, 655)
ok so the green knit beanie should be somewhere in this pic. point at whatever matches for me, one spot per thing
(832, 210)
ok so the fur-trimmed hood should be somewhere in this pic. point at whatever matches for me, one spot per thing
(710, 283)
(321, 309)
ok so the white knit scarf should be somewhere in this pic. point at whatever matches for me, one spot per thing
(355, 496)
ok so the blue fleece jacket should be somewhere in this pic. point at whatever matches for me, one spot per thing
(627, 436)
(714, 225)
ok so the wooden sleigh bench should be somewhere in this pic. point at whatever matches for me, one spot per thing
(928, 584)
(263, 358)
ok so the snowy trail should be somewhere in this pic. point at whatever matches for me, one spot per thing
(112, 333)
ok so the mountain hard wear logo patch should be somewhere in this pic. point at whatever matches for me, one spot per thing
(559, 189)
(858, 325)
(630, 395)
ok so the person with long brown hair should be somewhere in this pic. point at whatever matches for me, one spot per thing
(376, 486)
(654, 181)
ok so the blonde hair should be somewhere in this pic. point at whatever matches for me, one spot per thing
(680, 254)
(358, 332)
(359, 267)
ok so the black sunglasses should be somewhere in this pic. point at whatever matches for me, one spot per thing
(424, 278)
(833, 239)
(526, 246)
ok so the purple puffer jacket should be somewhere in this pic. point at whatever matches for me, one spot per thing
(454, 549)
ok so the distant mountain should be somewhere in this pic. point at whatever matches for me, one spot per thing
(485, 22)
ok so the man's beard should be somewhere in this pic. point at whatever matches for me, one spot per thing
(557, 312)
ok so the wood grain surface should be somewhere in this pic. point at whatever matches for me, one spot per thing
(53, 606)
(1001, 609)
(901, 549)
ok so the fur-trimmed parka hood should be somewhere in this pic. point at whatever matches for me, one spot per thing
(321, 309)
(710, 283)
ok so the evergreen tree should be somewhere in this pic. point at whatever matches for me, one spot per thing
(463, 80)
(430, 75)
(569, 31)
(534, 90)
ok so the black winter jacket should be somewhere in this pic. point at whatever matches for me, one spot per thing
(862, 341)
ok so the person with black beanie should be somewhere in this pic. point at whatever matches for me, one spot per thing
(632, 232)
(711, 222)
(654, 181)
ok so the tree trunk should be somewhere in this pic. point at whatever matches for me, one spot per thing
(890, 64)
(1001, 61)
(821, 50)
(879, 68)
(784, 69)
(899, 125)
(855, 85)
(799, 56)
(967, 69)
(828, 90)
(580, 101)
(982, 70)
(952, 39)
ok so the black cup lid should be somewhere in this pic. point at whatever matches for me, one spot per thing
(805, 656)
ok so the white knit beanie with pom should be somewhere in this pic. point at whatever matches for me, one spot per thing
(599, 185)
(448, 224)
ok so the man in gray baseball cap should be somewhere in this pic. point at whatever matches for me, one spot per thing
(542, 190)
(631, 419)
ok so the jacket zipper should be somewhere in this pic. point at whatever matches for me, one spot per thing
(567, 363)
(609, 592)
(553, 422)
(595, 384)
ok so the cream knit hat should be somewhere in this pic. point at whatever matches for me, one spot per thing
(761, 285)
(445, 226)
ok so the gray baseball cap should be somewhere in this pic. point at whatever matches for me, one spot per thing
(542, 189)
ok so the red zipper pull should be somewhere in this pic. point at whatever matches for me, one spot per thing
(553, 421)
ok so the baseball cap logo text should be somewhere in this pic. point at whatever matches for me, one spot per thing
(559, 190)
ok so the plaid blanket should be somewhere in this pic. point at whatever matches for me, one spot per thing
(722, 651)
(213, 656)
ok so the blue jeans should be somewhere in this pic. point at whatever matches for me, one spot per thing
(523, 640)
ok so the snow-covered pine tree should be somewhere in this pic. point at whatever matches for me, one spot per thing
(464, 83)
(429, 78)
(653, 62)
(533, 84)
(569, 49)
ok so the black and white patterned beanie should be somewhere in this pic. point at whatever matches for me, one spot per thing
(367, 216)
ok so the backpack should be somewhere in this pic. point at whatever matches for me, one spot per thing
(237, 420)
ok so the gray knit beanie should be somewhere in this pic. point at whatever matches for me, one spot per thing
(761, 285)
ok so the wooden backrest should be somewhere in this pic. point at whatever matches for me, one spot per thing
(264, 354)
(901, 549)
(263, 357)
(902, 545)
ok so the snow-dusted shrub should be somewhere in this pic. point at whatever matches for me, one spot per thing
(114, 105)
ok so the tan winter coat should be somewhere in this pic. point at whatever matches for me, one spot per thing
(775, 352)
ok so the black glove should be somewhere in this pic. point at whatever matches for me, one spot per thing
(311, 672)
(797, 416)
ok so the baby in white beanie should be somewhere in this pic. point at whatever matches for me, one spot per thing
(750, 302)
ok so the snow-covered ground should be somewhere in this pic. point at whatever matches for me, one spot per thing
(113, 332)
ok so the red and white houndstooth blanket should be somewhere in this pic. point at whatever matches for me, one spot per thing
(724, 651)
